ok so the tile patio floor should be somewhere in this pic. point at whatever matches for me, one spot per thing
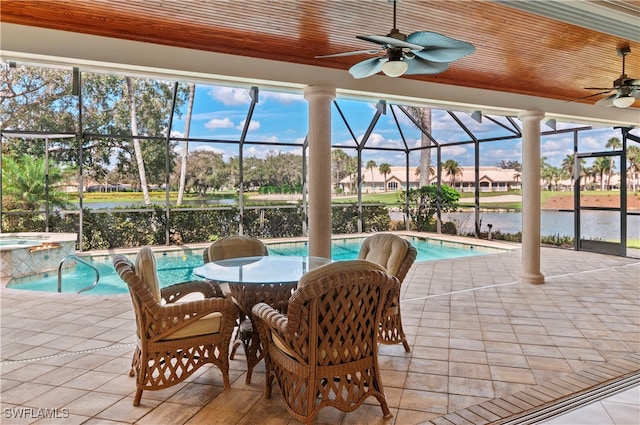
(485, 349)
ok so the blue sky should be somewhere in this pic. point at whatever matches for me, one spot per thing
(220, 112)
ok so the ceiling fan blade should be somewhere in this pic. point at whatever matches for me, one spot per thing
(631, 82)
(438, 47)
(356, 52)
(606, 101)
(600, 88)
(418, 65)
(590, 95)
(384, 40)
(366, 68)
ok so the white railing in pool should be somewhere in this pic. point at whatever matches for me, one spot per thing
(80, 260)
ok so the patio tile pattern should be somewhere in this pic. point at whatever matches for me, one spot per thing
(485, 349)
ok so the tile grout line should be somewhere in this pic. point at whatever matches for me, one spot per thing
(497, 285)
(71, 353)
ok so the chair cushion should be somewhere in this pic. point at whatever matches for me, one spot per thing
(338, 266)
(145, 268)
(209, 324)
(385, 249)
(236, 247)
(278, 342)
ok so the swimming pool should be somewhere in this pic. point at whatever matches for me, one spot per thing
(177, 266)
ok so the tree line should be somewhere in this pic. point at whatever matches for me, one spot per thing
(601, 170)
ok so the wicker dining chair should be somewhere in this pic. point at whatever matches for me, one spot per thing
(175, 336)
(323, 352)
(236, 246)
(396, 255)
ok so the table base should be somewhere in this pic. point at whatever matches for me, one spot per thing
(246, 296)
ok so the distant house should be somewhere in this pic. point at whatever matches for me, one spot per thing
(590, 183)
(109, 188)
(373, 181)
(71, 186)
(491, 179)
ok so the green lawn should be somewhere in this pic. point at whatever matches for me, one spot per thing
(387, 198)
(137, 196)
(633, 243)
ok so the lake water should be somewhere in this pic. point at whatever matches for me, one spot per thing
(594, 224)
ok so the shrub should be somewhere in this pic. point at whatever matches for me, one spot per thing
(423, 204)
(122, 228)
(449, 228)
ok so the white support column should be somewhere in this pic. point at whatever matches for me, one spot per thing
(530, 272)
(320, 99)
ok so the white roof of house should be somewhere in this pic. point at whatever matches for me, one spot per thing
(493, 174)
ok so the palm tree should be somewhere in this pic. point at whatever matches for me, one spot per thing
(613, 143)
(418, 173)
(185, 144)
(517, 176)
(423, 116)
(136, 142)
(371, 164)
(453, 170)
(384, 170)
(633, 156)
(24, 184)
(601, 165)
(590, 172)
(568, 165)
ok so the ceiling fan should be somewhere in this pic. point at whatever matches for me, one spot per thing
(627, 89)
(418, 53)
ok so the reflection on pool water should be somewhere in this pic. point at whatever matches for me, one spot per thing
(177, 266)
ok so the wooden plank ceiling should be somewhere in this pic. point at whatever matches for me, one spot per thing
(516, 51)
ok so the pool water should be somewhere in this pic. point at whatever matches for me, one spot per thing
(174, 267)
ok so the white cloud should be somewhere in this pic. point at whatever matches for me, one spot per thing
(414, 143)
(255, 151)
(209, 148)
(230, 96)
(553, 145)
(270, 139)
(375, 139)
(219, 123)
(253, 125)
(494, 157)
(457, 150)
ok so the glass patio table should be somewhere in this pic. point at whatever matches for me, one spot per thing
(251, 280)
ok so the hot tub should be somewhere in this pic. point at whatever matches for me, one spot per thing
(25, 254)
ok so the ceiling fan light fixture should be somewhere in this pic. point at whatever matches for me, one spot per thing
(624, 101)
(394, 68)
